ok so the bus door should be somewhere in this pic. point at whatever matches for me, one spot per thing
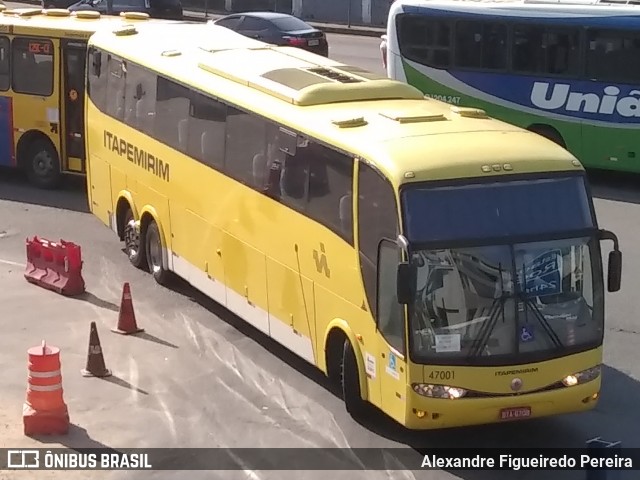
(391, 333)
(72, 132)
(7, 155)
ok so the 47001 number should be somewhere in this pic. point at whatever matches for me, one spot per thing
(442, 375)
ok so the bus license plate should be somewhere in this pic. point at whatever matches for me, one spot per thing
(515, 413)
(313, 43)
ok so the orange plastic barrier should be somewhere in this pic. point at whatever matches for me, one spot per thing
(55, 266)
(44, 411)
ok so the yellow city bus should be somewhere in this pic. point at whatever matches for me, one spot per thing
(42, 59)
(439, 264)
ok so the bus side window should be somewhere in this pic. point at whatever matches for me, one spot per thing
(377, 219)
(425, 40)
(206, 134)
(5, 79)
(390, 318)
(32, 66)
(97, 84)
(330, 186)
(481, 45)
(294, 180)
(115, 89)
(612, 56)
(171, 113)
(140, 95)
(246, 137)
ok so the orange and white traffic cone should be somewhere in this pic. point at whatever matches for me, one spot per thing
(44, 411)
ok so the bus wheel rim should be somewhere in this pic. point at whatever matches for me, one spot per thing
(155, 252)
(131, 238)
(42, 164)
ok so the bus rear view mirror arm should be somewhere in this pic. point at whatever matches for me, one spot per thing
(614, 273)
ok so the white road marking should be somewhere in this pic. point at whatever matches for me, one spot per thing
(15, 264)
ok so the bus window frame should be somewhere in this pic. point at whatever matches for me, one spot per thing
(622, 33)
(14, 71)
(7, 75)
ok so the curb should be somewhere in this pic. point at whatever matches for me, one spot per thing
(194, 16)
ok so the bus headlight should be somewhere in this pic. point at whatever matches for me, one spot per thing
(438, 391)
(581, 377)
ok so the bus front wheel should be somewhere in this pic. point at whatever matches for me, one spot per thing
(350, 381)
(132, 242)
(42, 165)
(153, 247)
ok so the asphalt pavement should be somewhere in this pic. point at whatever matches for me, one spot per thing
(200, 377)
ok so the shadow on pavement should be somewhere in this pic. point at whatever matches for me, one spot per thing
(77, 437)
(97, 301)
(71, 195)
(123, 383)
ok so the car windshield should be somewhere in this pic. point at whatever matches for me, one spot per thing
(492, 302)
(290, 24)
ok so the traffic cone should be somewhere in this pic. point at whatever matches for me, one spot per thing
(44, 411)
(127, 317)
(95, 360)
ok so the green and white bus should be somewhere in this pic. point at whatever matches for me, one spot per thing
(568, 70)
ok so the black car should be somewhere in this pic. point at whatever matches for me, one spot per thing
(277, 29)
(166, 9)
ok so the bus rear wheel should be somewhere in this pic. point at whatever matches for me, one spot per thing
(132, 242)
(350, 382)
(42, 165)
(153, 250)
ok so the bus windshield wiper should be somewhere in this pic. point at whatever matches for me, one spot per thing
(555, 339)
(487, 328)
(528, 301)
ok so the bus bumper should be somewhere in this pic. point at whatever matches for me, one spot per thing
(428, 413)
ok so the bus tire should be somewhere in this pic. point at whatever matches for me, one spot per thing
(153, 250)
(132, 241)
(42, 165)
(350, 381)
(549, 133)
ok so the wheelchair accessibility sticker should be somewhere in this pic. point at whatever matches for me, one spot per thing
(391, 367)
(526, 334)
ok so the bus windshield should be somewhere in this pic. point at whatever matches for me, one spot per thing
(497, 298)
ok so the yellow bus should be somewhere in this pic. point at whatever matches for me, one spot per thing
(440, 265)
(42, 60)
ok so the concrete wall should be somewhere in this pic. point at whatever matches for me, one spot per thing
(354, 12)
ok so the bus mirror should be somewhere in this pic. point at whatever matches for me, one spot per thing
(405, 283)
(614, 275)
